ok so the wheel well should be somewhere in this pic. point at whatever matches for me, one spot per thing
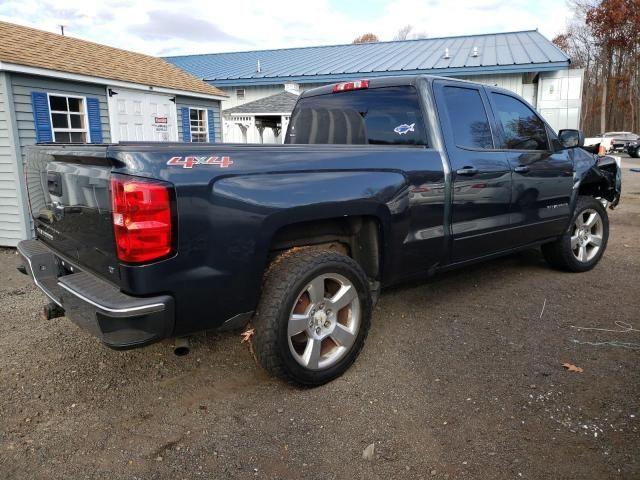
(358, 237)
(598, 188)
(600, 180)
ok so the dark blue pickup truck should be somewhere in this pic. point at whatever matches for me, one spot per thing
(379, 181)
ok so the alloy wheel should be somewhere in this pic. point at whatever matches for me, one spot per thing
(324, 321)
(587, 234)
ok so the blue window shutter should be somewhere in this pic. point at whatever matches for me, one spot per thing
(211, 120)
(95, 125)
(41, 117)
(186, 125)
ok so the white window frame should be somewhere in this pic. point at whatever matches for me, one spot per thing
(244, 93)
(69, 130)
(206, 124)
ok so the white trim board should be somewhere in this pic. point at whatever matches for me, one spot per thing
(6, 91)
(76, 77)
(226, 115)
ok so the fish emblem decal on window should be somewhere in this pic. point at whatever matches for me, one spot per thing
(404, 129)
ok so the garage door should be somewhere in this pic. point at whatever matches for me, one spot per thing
(141, 116)
(560, 98)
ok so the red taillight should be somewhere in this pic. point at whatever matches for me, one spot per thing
(141, 213)
(357, 85)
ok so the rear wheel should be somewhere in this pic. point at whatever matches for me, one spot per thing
(581, 247)
(313, 317)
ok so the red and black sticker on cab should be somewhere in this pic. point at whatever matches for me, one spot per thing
(191, 161)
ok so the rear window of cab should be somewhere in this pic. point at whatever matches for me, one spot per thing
(375, 116)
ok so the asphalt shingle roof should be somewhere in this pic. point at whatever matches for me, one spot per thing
(35, 48)
(282, 102)
(513, 51)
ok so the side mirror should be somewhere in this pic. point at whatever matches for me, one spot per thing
(571, 138)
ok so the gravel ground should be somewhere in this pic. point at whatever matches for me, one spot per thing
(461, 377)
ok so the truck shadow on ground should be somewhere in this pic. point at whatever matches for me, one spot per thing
(445, 287)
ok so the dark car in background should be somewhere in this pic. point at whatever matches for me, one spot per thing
(633, 148)
(621, 140)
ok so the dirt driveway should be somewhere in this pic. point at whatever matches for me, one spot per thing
(461, 377)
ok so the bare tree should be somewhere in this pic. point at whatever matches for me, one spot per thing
(403, 33)
(406, 33)
(604, 39)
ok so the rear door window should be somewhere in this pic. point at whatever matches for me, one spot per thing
(468, 117)
(377, 116)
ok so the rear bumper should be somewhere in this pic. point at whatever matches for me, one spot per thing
(119, 320)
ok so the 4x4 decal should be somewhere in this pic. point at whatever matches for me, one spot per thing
(189, 162)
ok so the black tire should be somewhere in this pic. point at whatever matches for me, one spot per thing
(285, 281)
(560, 255)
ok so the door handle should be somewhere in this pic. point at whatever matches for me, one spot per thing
(467, 171)
(521, 169)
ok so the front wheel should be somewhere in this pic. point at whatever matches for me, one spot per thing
(313, 316)
(582, 245)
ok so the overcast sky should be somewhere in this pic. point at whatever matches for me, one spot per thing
(173, 27)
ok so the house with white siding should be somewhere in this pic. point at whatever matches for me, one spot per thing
(262, 121)
(524, 62)
(60, 89)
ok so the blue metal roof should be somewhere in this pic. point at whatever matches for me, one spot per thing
(526, 51)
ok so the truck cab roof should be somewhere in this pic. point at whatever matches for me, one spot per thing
(377, 82)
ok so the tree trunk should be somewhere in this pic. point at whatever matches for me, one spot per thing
(616, 106)
(608, 58)
(603, 106)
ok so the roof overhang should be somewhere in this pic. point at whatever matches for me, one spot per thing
(75, 77)
(493, 70)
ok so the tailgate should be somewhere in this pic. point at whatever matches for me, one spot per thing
(69, 196)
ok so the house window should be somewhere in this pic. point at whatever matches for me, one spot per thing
(68, 119)
(240, 93)
(198, 123)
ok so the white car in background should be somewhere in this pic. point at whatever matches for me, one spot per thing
(612, 141)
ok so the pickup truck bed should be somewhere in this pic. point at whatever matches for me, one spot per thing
(219, 262)
(379, 182)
